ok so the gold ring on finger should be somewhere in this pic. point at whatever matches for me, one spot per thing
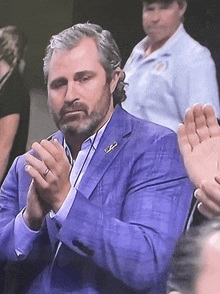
(46, 172)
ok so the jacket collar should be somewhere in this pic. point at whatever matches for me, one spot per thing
(113, 140)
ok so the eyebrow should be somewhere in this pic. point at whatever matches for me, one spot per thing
(80, 74)
(77, 76)
(56, 81)
(53, 83)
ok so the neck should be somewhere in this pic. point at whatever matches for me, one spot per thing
(74, 142)
(153, 46)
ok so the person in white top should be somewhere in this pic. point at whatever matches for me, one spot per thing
(199, 141)
(168, 71)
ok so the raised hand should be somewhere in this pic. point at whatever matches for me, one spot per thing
(50, 172)
(199, 142)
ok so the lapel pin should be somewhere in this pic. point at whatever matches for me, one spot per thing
(110, 147)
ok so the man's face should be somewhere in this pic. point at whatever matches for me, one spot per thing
(78, 95)
(160, 20)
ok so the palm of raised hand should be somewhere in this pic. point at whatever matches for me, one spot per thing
(199, 142)
(203, 161)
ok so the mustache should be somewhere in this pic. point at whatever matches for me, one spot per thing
(72, 107)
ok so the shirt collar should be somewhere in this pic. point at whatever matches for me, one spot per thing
(165, 49)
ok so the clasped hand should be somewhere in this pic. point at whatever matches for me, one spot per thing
(50, 171)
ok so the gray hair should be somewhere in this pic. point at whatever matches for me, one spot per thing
(106, 45)
(187, 263)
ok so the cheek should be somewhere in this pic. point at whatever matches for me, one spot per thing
(173, 19)
(93, 91)
(101, 100)
(145, 20)
(55, 102)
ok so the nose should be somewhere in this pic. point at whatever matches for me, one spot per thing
(156, 15)
(71, 92)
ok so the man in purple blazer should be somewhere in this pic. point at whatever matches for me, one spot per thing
(98, 206)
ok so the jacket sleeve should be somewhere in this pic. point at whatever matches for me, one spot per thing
(9, 208)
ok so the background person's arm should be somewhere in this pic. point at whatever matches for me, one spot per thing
(8, 129)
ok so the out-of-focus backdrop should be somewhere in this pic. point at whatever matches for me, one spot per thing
(42, 18)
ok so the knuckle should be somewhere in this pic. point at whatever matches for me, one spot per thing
(44, 141)
(47, 158)
(217, 210)
(34, 145)
(45, 186)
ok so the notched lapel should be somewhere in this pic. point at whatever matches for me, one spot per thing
(113, 140)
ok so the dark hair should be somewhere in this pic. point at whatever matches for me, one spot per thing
(106, 45)
(180, 2)
(187, 264)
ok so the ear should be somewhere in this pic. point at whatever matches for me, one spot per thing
(115, 77)
(183, 9)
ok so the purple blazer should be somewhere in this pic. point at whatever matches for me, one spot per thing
(129, 211)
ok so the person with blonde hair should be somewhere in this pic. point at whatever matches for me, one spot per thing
(14, 98)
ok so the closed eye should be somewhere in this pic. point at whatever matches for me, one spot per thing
(84, 76)
(58, 83)
(148, 7)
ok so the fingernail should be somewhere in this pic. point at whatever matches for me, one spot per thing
(204, 211)
(197, 194)
(196, 104)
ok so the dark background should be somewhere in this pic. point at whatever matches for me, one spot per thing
(40, 19)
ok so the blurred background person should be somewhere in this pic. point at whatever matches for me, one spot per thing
(14, 98)
(196, 261)
(168, 71)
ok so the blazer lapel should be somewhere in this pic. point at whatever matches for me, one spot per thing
(113, 140)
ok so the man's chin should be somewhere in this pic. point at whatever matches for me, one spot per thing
(76, 129)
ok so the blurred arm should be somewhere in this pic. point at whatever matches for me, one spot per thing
(8, 129)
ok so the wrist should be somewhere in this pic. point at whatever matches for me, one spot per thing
(60, 200)
(34, 223)
(56, 206)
